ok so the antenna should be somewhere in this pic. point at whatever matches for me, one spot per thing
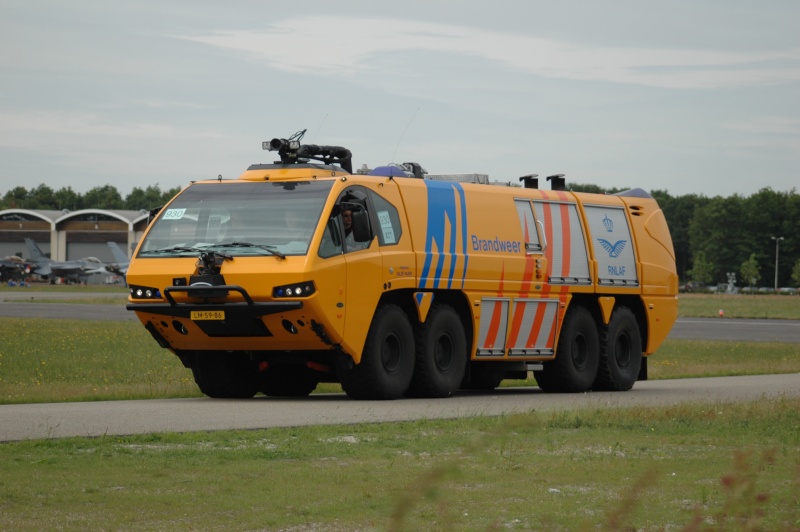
(404, 133)
(319, 127)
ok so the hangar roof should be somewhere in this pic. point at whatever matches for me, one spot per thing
(56, 217)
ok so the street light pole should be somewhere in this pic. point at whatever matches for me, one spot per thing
(777, 247)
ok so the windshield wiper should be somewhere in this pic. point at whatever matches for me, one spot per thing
(184, 249)
(266, 248)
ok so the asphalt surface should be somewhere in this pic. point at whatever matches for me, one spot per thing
(736, 330)
(107, 418)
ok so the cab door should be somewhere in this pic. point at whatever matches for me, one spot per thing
(363, 284)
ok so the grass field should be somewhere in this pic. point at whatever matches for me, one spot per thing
(78, 360)
(46, 293)
(689, 467)
(712, 467)
(739, 306)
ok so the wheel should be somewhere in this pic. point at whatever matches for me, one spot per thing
(577, 355)
(288, 381)
(620, 352)
(484, 376)
(387, 362)
(225, 375)
(441, 354)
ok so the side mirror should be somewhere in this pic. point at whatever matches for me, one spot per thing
(153, 213)
(361, 229)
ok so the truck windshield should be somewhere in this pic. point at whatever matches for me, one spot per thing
(239, 218)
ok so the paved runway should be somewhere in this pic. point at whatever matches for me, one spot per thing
(738, 330)
(106, 418)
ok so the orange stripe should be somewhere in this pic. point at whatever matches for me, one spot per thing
(548, 253)
(527, 275)
(494, 326)
(516, 323)
(560, 290)
(548, 228)
(565, 240)
(537, 326)
(525, 288)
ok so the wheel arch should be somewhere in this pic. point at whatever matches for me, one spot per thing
(454, 298)
(633, 302)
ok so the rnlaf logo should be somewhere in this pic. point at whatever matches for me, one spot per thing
(614, 250)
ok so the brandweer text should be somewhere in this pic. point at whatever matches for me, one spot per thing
(503, 246)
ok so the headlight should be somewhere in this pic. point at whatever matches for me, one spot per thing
(144, 292)
(294, 290)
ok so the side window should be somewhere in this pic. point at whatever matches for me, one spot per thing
(332, 239)
(340, 235)
(388, 229)
(528, 223)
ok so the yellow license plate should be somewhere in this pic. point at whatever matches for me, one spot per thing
(208, 315)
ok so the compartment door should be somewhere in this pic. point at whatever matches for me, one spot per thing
(493, 327)
(533, 331)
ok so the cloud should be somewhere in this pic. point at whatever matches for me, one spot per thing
(776, 125)
(350, 47)
(40, 129)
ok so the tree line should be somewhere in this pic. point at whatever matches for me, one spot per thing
(712, 236)
(106, 197)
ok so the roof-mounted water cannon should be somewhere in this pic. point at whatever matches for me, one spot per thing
(292, 152)
(281, 145)
(286, 148)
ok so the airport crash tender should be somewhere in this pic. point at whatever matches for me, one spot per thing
(397, 283)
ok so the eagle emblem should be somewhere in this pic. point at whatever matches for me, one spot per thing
(614, 249)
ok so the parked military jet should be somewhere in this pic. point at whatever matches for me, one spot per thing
(121, 260)
(71, 270)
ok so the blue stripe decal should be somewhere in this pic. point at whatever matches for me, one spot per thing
(442, 213)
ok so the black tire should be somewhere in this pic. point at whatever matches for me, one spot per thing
(387, 362)
(620, 352)
(441, 354)
(484, 376)
(223, 375)
(288, 381)
(574, 368)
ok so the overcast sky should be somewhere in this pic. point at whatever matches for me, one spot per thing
(689, 96)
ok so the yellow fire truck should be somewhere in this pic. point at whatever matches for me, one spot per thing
(394, 282)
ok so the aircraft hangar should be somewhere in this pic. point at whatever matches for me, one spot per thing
(70, 235)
